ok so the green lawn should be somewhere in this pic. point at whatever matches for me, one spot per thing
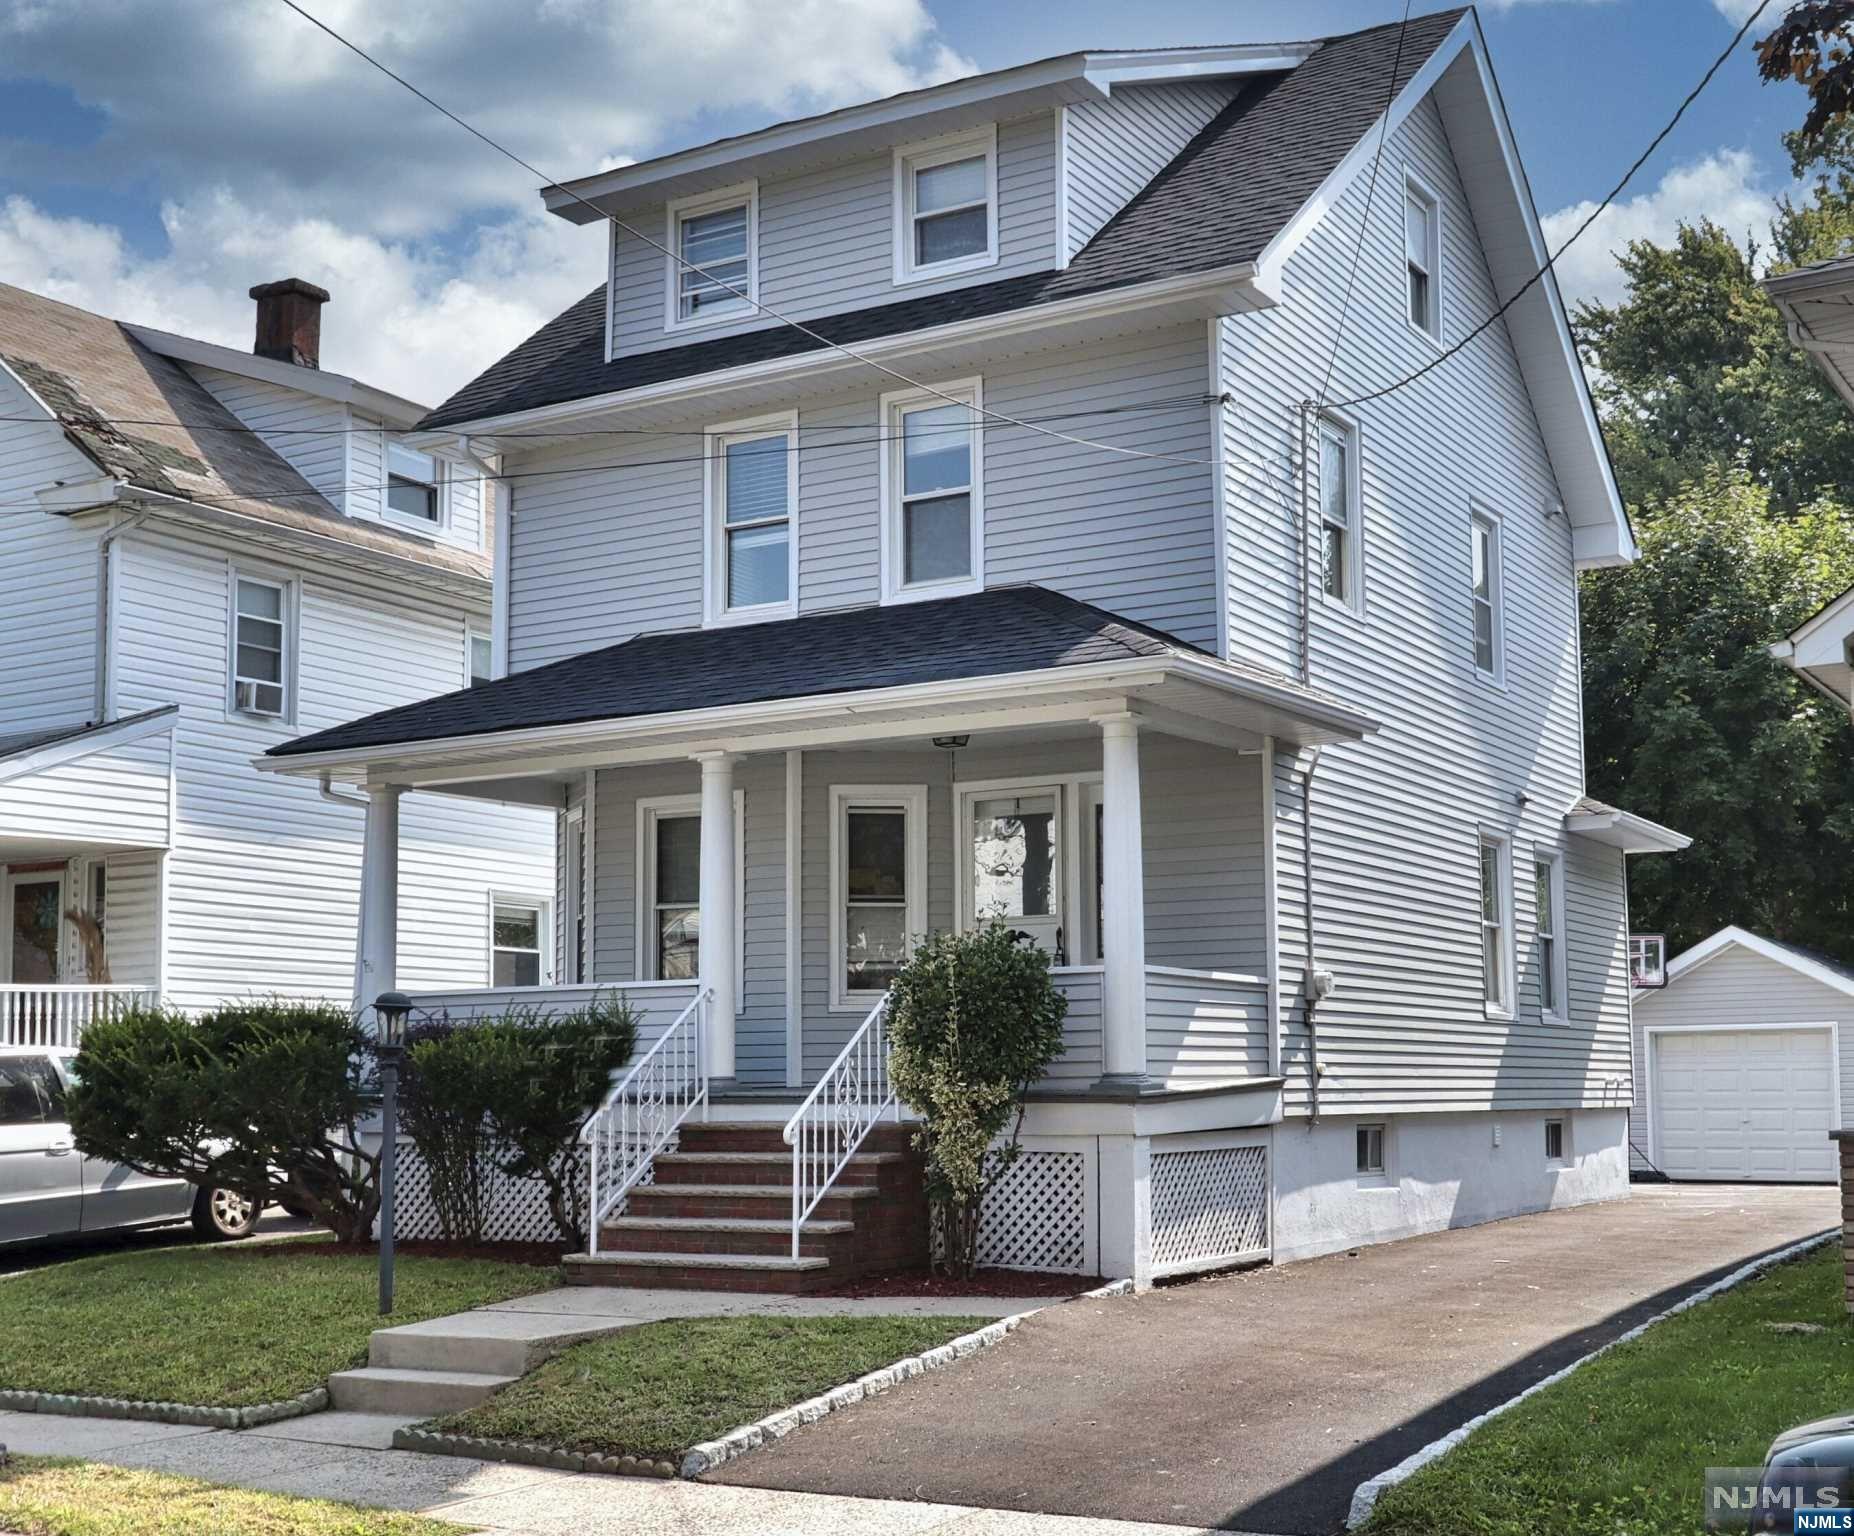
(45, 1496)
(658, 1389)
(221, 1326)
(1619, 1447)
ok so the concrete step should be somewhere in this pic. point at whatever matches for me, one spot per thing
(383, 1389)
(698, 1271)
(692, 1235)
(487, 1343)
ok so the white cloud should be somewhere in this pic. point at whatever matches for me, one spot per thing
(1735, 11)
(275, 152)
(1725, 187)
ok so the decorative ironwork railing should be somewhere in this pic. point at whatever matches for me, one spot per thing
(55, 1015)
(851, 1096)
(642, 1112)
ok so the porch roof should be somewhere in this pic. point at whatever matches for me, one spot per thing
(1004, 632)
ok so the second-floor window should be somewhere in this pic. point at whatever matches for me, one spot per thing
(946, 205)
(479, 658)
(413, 484)
(933, 500)
(1422, 253)
(713, 275)
(260, 646)
(1486, 598)
(1496, 926)
(1341, 553)
(752, 488)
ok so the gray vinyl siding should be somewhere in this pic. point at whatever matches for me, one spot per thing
(1114, 147)
(1735, 988)
(1397, 817)
(826, 242)
(609, 552)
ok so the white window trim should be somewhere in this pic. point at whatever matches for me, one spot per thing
(747, 192)
(646, 903)
(715, 610)
(1560, 979)
(911, 799)
(969, 392)
(9, 880)
(1503, 891)
(924, 155)
(1480, 516)
(292, 607)
(1381, 1177)
(1347, 429)
(572, 964)
(472, 634)
(544, 935)
(442, 471)
(1415, 186)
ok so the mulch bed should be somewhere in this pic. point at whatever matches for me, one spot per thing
(987, 1282)
(540, 1255)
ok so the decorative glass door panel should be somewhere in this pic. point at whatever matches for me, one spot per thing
(1015, 864)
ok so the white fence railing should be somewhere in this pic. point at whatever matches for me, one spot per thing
(55, 1016)
(642, 1112)
(830, 1125)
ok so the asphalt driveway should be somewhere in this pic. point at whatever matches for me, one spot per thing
(1259, 1401)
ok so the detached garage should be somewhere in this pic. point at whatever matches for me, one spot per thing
(1739, 1065)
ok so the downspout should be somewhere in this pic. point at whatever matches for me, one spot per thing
(103, 702)
(329, 792)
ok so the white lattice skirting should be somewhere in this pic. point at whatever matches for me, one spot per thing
(1209, 1206)
(517, 1208)
(1037, 1216)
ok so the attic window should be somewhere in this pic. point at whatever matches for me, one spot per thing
(411, 483)
(1422, 251)
(946, 205)
(713, 275)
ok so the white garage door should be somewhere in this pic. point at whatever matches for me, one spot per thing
(1745, 1104)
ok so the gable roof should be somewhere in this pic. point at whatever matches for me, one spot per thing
(1805, 962)
(90, 373)
(29, 752)
(1219, 203)
(1000, 632)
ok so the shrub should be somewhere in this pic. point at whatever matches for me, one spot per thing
(444, 1109)
(243, 1096)
(974, 1020)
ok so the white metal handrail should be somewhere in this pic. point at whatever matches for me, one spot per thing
(838, 1114)
(54, 1015)
(642, 1112)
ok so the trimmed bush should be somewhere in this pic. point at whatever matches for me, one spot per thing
(444, 1109)
(974, 1019)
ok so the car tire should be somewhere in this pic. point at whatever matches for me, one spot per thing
(223, 1215)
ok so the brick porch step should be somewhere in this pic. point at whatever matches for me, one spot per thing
(780, 1274)
(753, 1202)
(683, 1167)
(769, 1136)
(726, 1235)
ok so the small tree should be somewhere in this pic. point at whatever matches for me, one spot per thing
(974, 1020)
(444, 1107)
(241, 1096)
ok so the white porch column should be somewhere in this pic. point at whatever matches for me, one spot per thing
(719, 943)
(379, 914)
(1123, 905)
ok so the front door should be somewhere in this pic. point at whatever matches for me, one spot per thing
(34, 900)
(1014, 869)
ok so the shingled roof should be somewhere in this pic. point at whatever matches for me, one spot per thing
(145, 419)
(985, 634)
(1218, 204)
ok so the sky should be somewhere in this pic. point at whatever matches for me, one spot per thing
(158, 157)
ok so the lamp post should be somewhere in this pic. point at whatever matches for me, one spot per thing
(389, 1011)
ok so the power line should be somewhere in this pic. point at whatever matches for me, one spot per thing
(747, 298)
(1552, 261)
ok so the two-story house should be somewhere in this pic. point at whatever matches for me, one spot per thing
(204, 552)
(927, 522)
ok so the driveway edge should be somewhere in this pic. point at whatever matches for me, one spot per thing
(1367, 1494)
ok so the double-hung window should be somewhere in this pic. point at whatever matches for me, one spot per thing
(1422, 251)
(878, 887)
(1496, 926)
(1341, 548)
(414, 485)
(1548, 923)
(669, 882)
(714, 271)
(932, 493)
(946, 205)
(518, 938)
(260, 646)
(1485, 595)
(752, 480)
(479, 659)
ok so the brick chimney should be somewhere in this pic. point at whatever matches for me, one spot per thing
(289, 321)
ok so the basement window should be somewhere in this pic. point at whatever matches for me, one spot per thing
(1554, 1141)
(1371, 1150)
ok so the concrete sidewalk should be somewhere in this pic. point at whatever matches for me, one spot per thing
(338, 1456)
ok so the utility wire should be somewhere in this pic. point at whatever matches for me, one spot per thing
(745, 297)
(1552, 261)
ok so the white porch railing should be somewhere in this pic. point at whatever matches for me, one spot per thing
(838, 1113)
(642, 1112)
(55, 1015)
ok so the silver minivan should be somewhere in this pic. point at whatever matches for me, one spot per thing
(48, 1189)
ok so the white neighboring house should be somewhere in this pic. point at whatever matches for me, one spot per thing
(1744, 1062)
(204, 552)
(820, 660)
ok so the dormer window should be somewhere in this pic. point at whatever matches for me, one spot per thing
(412, 484)
(714, 273)
(946, 206)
